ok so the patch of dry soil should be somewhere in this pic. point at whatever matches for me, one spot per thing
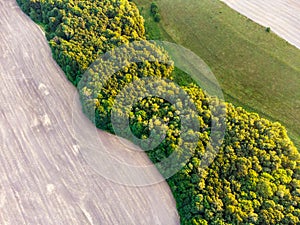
(43, 177)
(282, 16)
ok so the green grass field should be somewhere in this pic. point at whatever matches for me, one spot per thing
(256, 69)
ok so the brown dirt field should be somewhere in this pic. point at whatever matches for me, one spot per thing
(283, 16)
(44, 178)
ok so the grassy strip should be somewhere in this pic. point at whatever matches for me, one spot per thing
(256, 69)
(254, 178)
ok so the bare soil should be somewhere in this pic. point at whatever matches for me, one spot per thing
(44, 179)
(282, 16)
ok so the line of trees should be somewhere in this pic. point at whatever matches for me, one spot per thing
(255, 177)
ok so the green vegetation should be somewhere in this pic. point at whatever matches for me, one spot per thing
(79, 31)
(155, 12)
(153, 31)
(255, 177)
(256, 70)
(253, 180)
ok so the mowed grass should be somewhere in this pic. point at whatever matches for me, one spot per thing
(256, 69)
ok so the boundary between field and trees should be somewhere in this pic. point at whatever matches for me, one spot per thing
(254, 178)
(256, 69)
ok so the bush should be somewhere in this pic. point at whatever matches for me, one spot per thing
(155, 12)
(154, 8)
(157, 17)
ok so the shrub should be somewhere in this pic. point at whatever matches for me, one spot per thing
(157, 17)
(154, 8)
(155, 12)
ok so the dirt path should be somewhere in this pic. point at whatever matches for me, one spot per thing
(283, 16)
(43, 176)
